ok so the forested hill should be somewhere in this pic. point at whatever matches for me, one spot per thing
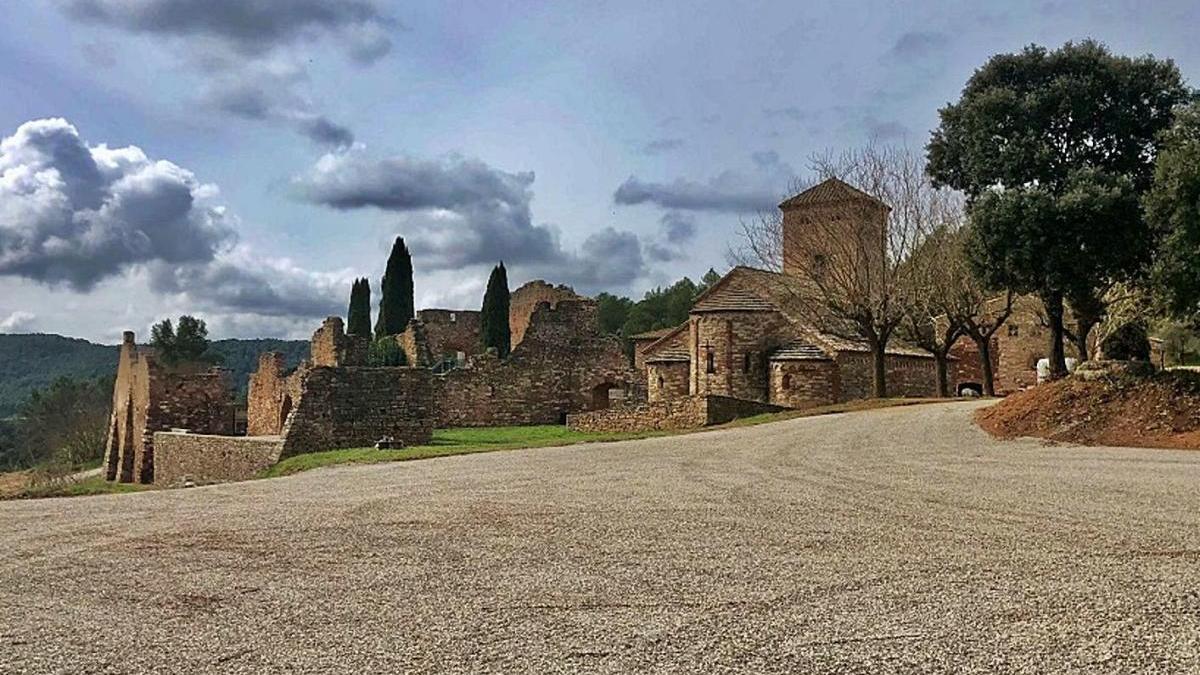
(29, 362)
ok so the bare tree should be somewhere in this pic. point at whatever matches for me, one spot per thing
(845, 252)
(982, 318)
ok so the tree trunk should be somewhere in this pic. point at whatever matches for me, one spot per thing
(1058, 357)
(984, 343)
(1082, 331)
(943, 375)
(879, 361)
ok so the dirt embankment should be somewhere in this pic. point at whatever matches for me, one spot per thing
(1162, 411)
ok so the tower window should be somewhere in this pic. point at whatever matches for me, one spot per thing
(711, 362)
(661, 382)
(746, 362)
(787, 382)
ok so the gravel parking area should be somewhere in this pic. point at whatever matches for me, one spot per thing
(893, 540)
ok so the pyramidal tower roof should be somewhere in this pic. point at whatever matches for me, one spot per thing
(829, 191)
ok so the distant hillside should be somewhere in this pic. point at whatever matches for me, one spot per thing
(29, 362)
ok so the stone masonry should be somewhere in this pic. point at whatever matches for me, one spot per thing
(525, 300)
(205, 458)
(688, 412)
(149, 397)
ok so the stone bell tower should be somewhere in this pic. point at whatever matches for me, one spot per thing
(832, 223)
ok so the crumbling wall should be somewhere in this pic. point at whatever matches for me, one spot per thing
(451, 332)
(414, 342)
(524, 301)
(204, 458)
(563, 365)
(332, 347)
(149, 397)
(271, 396)
(356, 406)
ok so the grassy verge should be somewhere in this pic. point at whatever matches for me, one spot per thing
(459, 441)
(462, 441)
(93, 485)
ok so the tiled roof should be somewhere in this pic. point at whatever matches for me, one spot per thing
(734, 300)
(829, 191)
(798, 350)
(671, 355)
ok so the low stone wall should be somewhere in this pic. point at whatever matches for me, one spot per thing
(203, 458)
(357, 406)
(689, 412)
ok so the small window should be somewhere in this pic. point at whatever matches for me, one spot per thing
(1013, 330)
(661, 382)
(787, 382)
(746, 362)
(711, 366)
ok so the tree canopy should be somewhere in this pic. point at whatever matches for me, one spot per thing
(358, 317)
(186, 344)
(494, 326)
(1173, 209)
(1054, 149)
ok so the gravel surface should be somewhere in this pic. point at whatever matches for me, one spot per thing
(892, 540)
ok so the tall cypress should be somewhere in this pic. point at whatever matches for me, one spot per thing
(358, 318)
(396, 293)
(494, 316)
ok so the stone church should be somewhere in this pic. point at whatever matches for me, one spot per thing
(746, 337)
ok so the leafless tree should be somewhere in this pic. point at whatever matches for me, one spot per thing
(983, 316)
(845, 266)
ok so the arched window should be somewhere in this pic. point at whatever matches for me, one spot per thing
(711, 366)
(661, 382)
(787, 381)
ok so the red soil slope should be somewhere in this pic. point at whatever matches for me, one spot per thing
(1158, 412)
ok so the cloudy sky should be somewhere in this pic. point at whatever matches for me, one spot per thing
(243, 161)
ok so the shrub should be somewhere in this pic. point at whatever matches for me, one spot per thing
(1128, 342)
(385, 351)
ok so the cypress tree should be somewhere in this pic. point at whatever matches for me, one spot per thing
(494, 316)
(358, 318)
(396, 293)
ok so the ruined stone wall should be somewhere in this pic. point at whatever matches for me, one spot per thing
(666, 380)
(356, 406)
(414, 342)
(804, 383)
(563, 365)
(907, 376)
(525, 300)
(203, 458)
(332, 347)
(738, 343)
(689, 412)
(148, 397)
(450, 332)
(272, 394)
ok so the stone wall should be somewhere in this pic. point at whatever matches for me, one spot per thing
(271, 395)
(149, 397)
(666, 380)
(202, 458)
(332, 347)
(562, 365)
(689, 412)
(524, 302)
(451, 332)
(907, 376)
(729, 352)
(414, 342)
(804, 383)
(356, 406)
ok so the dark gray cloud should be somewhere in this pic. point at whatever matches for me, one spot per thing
(661, 145)
(73, 215)
(729, 191)
(458, 211)
(915, 45)
(252, 27)
(252, 55)
(607, 259)
(242, 283)
(676, 230)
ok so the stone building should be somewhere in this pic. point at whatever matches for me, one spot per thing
(150, 397)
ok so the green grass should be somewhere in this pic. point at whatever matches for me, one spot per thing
(95, 485)
(458, 441)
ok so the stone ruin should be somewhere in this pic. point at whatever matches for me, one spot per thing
(174, 426)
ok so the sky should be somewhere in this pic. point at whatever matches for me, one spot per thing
(245, 161)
